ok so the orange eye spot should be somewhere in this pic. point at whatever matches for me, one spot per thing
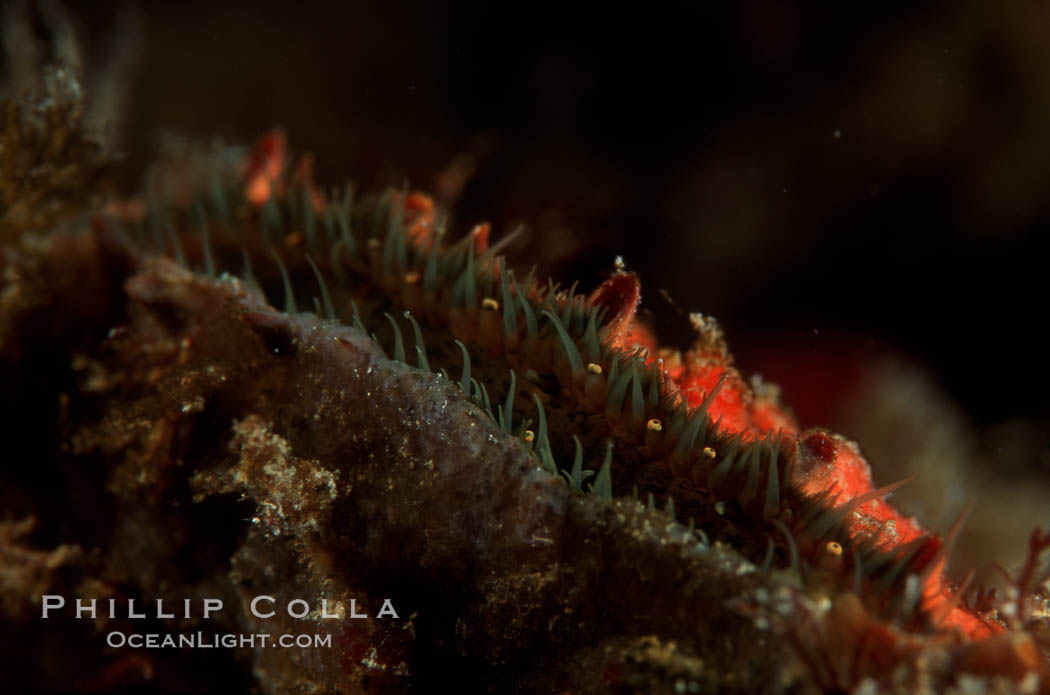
(654, 425)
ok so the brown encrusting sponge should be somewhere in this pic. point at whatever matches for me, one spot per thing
(458, 471)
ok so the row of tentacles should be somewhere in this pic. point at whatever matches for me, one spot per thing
(694, 417)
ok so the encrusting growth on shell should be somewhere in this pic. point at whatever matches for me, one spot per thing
(564, 415)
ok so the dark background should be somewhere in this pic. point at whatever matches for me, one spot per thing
(835, 182)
